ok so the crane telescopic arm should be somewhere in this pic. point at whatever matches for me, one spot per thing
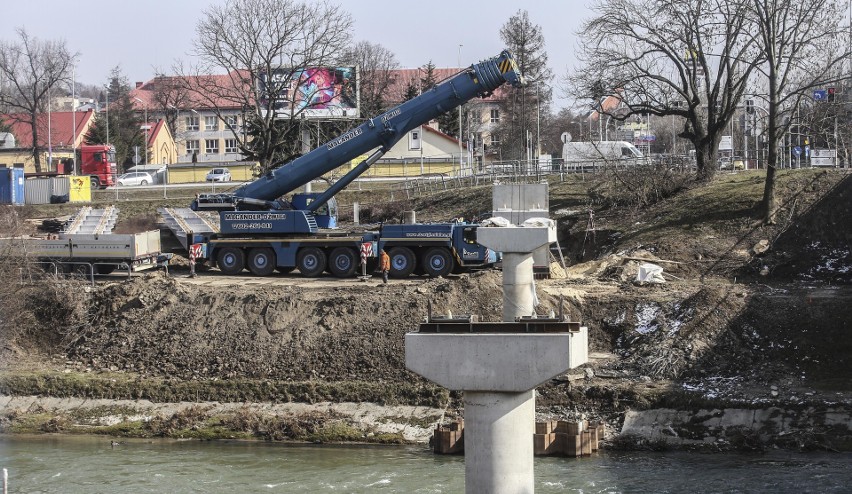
(380, 133)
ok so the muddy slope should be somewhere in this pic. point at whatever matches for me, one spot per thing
(159, 326)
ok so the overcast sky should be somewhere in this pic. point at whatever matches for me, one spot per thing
(144, 36)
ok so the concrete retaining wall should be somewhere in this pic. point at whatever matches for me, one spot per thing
(701, 427)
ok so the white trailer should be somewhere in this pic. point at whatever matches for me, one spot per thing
(88, 253)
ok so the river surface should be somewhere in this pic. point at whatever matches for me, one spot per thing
(72, 464)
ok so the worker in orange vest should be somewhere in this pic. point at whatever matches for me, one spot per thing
(384, 265)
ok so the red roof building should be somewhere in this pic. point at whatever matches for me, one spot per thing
(63, 128)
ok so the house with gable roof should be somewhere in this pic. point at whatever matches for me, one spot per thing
(59, 134)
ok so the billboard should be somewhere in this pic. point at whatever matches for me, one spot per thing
(313, 92)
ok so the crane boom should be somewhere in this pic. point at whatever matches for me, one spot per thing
(382, 132)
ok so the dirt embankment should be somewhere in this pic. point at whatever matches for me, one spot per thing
(740, 323)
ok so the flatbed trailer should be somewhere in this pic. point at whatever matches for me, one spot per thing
(88, 253)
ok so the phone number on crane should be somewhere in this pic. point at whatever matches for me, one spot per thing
(251, 226)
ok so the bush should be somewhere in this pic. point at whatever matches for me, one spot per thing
(637, 186)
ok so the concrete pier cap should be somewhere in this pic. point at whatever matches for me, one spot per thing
(525, 238)
(504, 362)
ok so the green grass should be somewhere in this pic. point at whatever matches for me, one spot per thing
(116, 386)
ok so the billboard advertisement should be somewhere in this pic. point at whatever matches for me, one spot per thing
(313, 92)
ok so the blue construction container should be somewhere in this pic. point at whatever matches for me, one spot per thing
(12, 185)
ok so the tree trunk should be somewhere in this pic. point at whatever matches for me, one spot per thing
(36, 154)
(705, 159)
(768, 205)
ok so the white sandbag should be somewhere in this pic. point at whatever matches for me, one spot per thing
(650, 273)
(496, 221)
(539, 222)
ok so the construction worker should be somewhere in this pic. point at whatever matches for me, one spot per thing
(384, 265)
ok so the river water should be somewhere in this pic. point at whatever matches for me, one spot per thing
(68, 465)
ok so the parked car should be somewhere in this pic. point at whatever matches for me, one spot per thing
(135, 178)
(219, 175)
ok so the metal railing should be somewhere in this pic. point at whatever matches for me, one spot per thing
(80, 269)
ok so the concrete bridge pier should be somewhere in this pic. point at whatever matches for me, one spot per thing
(498, 365)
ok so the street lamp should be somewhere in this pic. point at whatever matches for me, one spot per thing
(145, 127)
(107, 115)
(460, 122)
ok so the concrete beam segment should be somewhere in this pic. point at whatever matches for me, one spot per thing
(489, 361)
(517, 197)
(498, 443)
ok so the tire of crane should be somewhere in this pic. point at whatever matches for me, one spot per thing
(342, 262)
(231, 260)
(311, 261)
(438, 261)
(261, 261)
(402, 262)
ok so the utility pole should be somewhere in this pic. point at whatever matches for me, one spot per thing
(460, 122)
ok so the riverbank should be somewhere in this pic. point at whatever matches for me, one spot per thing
(752, 317)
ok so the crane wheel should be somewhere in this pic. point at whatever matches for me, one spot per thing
(231, 260)
(438, 261)
(402, 262)
(342, 262)
(261, 261)
(311, 261)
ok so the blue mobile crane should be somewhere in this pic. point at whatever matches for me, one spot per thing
(262, 232)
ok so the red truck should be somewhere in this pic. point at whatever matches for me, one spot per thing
(96, 160)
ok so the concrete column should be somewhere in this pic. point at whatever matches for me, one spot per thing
(518, 299)
(498, 443)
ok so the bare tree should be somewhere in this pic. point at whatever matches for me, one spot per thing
(266, 41)
(804, 47)
(30, 68)
(170, 96)
(376, 65)
(690, 59)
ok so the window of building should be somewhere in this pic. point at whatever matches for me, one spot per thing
(191, 146)
(232, 121)
(211, 123)
(211, 146)
(231, 146)
(191, 123)
(495, 140)
(495, 116)
(475, 117)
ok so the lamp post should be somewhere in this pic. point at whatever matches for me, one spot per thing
(145, 127)
(107, 114)
(460, 122)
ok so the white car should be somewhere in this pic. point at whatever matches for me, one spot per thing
(135, 178)
(219, 175)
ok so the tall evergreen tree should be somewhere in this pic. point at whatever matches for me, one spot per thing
(124, 122)
(518, 132)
